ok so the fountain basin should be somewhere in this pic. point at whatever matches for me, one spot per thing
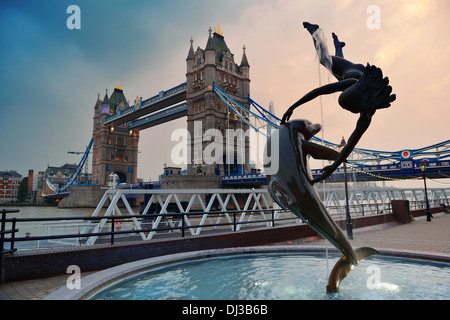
(272, 272)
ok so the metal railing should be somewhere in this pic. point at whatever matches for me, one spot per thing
(3, 232)
(176, 222)
(363, 210)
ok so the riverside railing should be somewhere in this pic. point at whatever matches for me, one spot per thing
(75, 231)
(78, 231)
(175, 224)
(3, 232)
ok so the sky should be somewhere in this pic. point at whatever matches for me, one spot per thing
(51, 75)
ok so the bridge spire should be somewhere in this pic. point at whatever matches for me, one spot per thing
(244, 61)
(106, 99)
(191, 54)
(209, 44)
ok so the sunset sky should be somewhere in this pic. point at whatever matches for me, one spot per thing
(50, 75)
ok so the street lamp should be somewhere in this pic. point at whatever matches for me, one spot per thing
(347, 209)
(423, 167)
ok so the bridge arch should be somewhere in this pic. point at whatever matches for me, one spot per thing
(122, 177)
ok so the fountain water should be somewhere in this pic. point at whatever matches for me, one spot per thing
(282, 276)
(322, 49)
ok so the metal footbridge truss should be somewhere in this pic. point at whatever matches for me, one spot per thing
(247, 205)
(75, 173)
(201, 211)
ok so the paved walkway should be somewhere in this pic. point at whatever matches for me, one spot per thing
(419, 235)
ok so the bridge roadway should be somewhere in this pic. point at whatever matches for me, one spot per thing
(396, 171)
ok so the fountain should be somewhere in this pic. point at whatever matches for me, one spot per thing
(264, 273)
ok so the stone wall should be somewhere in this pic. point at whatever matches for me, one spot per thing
(45, 263)
(82, 197)
(191, 182)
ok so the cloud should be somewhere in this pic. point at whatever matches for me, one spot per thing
(51, 76)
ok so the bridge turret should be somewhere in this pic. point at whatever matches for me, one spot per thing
(210, 51)
(190, 58)
(115, 148)
(101, 110)
(245, 66)
(105, 98)
(245, 71)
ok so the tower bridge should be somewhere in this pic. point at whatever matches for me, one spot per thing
(117, 124)
(217, 94)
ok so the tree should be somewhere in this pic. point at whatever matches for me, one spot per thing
(23, 190)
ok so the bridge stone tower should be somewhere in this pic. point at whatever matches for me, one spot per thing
(216, 64)
(115, 149)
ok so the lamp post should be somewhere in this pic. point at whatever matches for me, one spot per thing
(423, 167)
(347, 209)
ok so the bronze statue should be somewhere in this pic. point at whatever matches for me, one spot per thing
(364, 90)
(293, 189)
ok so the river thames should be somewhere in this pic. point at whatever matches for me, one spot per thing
(40, 228)
(49, 212)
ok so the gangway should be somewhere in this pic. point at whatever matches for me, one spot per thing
(215, 206)
(242, 200)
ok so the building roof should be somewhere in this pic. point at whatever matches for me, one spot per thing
(218, 44)
(64, 170)
(66, 166)
(117, 98)
(10, 174)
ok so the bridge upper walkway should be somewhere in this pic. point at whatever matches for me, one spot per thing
(158, 102)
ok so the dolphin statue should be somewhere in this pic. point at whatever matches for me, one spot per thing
(292, 187)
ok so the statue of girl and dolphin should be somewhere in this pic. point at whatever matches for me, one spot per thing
(364, 90)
